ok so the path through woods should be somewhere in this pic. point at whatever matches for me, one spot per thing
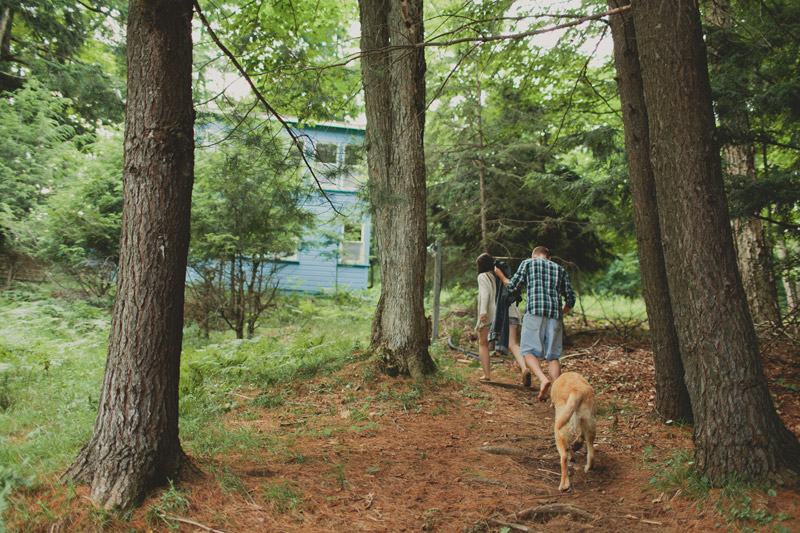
(357, 451)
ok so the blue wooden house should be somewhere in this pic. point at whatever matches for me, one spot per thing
(337, 255)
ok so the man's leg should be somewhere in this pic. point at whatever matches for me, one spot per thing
(553, 339)
(513, 347)
(544, 383)
(554, 368)
(531, 346)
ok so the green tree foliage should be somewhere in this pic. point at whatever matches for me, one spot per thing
(71, 48)
(81, 225)
(549, 144)
(755, 74)
(60, 196)
(754, 57)
(247, 210)
(36, 154)
(288, 47)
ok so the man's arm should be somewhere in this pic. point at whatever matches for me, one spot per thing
(499, 274)
(515, 281)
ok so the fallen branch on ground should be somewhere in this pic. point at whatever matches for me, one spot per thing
(503, 523)
(190, 522)
(544, 513)
(502, 450)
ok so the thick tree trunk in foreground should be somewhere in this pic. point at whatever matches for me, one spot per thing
(135, 442)
(672, 396)
(394, 93)
(736, 428)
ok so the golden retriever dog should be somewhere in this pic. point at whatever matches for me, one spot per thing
(574, 400)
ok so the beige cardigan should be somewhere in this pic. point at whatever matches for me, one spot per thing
(486, 295)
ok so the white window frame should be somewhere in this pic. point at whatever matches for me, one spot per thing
(359, 259)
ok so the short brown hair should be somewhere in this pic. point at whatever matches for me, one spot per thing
(542, 251)
(485, 263)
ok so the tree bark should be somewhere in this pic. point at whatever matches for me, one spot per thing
(394, 94)
(135, 445)
(672, 396)
(482, 167)
(789, 287)
(6, 22)
(737, 431)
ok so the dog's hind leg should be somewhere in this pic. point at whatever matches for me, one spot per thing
(589, 430)
(561, 445)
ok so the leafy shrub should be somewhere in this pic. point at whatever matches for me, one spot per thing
(622, 278)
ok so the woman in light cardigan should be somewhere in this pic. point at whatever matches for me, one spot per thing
(486, 309)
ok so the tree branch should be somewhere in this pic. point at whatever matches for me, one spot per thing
(263, 100)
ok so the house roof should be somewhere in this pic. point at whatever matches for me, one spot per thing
(355, 126)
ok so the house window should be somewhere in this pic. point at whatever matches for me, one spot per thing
(351, 250)
(353, 155)
(325, 165)
(352, 170)
(288, 257)
(326, 153)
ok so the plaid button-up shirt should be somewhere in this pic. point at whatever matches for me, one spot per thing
(545, 282)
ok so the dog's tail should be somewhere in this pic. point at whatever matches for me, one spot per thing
(574, 400)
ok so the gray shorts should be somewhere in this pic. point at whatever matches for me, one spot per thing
(541, 336)
(513, 321)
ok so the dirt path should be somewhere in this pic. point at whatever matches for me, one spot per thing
(452, 462)
(380, 455)
(358, 451)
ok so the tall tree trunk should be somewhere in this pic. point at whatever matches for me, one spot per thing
(8, 80)
(672, 396)
(753, 251)
(482, 169)
(135, 442)
(394, 94)
(6, 22)
(789, 286)
(736, 428)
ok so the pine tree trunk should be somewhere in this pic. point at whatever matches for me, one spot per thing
(394, 94)
(135, 445)
(737, 431)
(6, 22)
(482, 170)
(788, 286)
(672, 396)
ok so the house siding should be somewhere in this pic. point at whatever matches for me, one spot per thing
(318, 267)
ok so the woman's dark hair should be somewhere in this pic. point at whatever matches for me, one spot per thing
(485, 263)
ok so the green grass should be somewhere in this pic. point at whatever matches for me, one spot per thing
(610, 307)
(281, 496)
(52, 355)
(52, 358)
(732, 502)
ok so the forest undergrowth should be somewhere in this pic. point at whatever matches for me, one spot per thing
(298, 430)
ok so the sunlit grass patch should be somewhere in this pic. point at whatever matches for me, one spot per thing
(281, 496)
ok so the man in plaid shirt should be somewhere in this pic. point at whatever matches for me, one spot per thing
(542, 330)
